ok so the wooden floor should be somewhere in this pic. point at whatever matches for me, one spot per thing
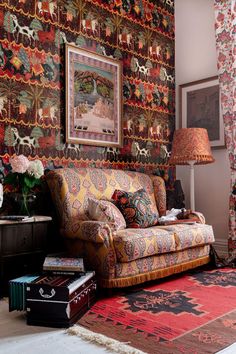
(18, 338)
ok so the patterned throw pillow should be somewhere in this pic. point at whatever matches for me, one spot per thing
(135, 208)
(103, 210)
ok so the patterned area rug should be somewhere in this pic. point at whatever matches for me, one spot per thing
(189, 313)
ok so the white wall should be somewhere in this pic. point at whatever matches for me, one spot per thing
(196, 59)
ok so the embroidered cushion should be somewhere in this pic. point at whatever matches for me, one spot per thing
(136, 208)
(104, 210)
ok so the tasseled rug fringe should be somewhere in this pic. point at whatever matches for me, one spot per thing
(109, 343)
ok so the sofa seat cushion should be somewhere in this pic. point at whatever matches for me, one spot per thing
(131, 244)
(165, 263)
(191, 235)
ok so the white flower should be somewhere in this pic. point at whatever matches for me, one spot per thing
(35, 169)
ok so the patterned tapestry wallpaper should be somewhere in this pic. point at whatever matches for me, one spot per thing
(33, 34)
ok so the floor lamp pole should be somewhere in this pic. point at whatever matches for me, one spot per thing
(192, 200)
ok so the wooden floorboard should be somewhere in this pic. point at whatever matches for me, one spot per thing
(18, 338)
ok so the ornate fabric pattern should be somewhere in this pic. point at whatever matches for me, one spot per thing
(193, 235)
(73, 208)
(131, 244)
(160, 194)
(225, 14)
(124, 257)
(102, 257)
(135, 208)
(32, 39)
(99, 256)
(103, 210)
(200, 216)
(163, 261)
(95, 231)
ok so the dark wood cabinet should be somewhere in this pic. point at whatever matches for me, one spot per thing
(23, 246)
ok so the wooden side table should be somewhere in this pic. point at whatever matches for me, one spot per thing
(23, 246)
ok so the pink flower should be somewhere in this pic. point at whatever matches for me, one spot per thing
(19, 163)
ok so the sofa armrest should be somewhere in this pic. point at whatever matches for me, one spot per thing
(96, 231)
(91, 231)
(93, 240)
(198, 215)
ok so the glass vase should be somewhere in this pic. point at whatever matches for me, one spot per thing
(24, 203)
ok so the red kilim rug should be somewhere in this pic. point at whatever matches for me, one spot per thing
(189, 313)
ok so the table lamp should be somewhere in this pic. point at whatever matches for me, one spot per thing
(191, 146)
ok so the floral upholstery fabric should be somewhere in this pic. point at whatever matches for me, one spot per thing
(148, 264)
(119, 258)
(191, 235)
(104, 260)
(160, 194)
(135, 208)
(95, 231)
(97, 256)
(131, 244)
(103, 210)
(198, 215)
(71, 188)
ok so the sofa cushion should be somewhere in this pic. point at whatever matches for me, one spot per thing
(135, 208)
(131, 244)
(103, 210)
(165, 264)
(191, 235)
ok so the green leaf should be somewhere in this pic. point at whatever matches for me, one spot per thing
(11, 178)
(29, 181)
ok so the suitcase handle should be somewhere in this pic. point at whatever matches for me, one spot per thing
(47, 296)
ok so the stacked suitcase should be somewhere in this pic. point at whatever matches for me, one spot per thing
(58, 301)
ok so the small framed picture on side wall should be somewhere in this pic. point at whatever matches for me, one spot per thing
(200, 108)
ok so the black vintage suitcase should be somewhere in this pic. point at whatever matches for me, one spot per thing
(59, 301)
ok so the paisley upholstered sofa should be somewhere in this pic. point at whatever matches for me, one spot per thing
(128, 256)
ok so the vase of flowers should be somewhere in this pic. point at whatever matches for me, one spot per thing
(23, 179)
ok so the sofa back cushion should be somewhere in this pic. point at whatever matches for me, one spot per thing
(71, 188)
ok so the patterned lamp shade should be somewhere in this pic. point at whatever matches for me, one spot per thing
(191, 144)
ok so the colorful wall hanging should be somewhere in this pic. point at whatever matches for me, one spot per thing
(139, 33)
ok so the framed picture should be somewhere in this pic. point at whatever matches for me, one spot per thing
(93, 98)
(200, 108)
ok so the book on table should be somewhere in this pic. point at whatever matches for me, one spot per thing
(64, 265)
(16, 218)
